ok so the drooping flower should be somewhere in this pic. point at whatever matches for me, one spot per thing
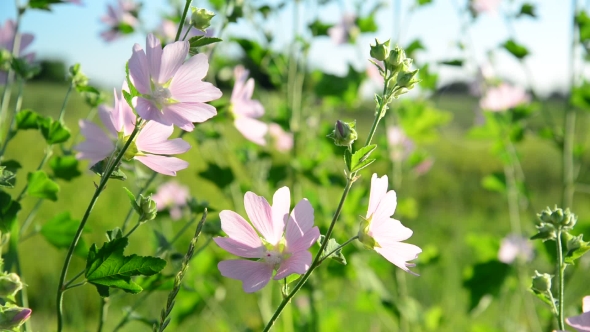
(150, 146)
(344, 30)
(120, 20)
(167, 31)
(503, 97)
(485, 6)
(172, 90)
(514, 246)
(283, 141)
(7, 33)
(172, 196)
(283, 247)
(245, 110)
(384, 234)
(581, 322)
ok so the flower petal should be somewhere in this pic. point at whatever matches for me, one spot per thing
(260, 214)
(300, 221)
(298, 263)
(184, 114)
(97, 145)
(106, 116)
(154, 55)
(399, 253)
(148, 111)
(172, 58)
(153, 138)
(281, 202)
(304, 242)
(238, 248)
(388, 230)
(254, 130)
(385, 209)
(187, 84)
(254, 275)
(162, 164)
(239, 229)
(581, 323)
(378, 190)
(139, 70)
(248, 108)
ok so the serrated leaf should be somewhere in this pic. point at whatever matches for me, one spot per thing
(27, 119)
(518, 50)
(133, 200)
(200, 41)
(41, 186)
(65, 167)
(114, 234)
(60, 230)
(8, 211)
(7, 178)
(331, 246)
(359, 159)
(53, 131)
(108, 266)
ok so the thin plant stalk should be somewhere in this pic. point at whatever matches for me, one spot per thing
(11, 74)
(104, 310)
(560, 282)
(105, 178)
(183, 19)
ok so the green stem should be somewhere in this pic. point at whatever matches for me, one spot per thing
(560, 282)
(141, 191)
(569, 124)
(10, 74)
(177, 236)
(76, 285)
(62, 112)
(11, 128)
(338, 248)
(97, 192)
(31, 216)
(183, 19)
(133, 229)
(104, 306)
(74, 278)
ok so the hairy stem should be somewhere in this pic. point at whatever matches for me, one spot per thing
(560, 282)
(183, 19)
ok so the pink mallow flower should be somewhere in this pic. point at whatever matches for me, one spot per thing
(581, 322)
(483, 6)
(150, 146)
(503, 97)
(172, 196)
(245, 110)
(283, 141)
(514, 246)
(283, 247)
(384, 234)
(172, 90)
(7, 33)
(344, 30)
(120, 19)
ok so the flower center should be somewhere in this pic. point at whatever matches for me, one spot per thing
(131, 151)
(161, 95)
(273, 257)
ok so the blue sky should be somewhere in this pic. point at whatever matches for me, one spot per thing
(71, 33)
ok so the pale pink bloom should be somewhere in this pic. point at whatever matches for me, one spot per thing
(283, 140)
(172, 90)
(386, 231)
(503, 97)
(7, 33)
(285, 241)
(167, 31)
(150, 147)
(124, 14)
(514, 246)
(581, 322)
(245, 110)
(400, 145)
(344, 30)
(483, 6)
(172, 196)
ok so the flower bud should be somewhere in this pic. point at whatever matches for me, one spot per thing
(395, 60)
(148, 207)
(363, 236)
(379, 51)
(201, 18)
(541, 282)
(558, 218)
(12, 317)
(545, 232)
(344, 133)
(407, 79)
(10, 284)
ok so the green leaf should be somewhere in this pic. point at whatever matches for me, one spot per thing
(527, 9)
(359, 158)
(494, 182)
(27, 119)
(428, 79)
(332, 244)
(454, 62)
(41, 186)
(65, 167)
(132, 90)
(367, 24)
(423, 2)
(114, 234)
(108, 267)
(99, 168)
(577, 247)
(53, 131)
(199, 41)
(413, 47)
(518, 50)
(60, 230)
(8, 211)
(43, 4)
(318, 28)
(220, 176)
(7, 178)
(133, 200)
(485, 279)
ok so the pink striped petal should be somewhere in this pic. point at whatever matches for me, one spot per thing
(248, 108)
(304, 242)
(378, 190)
(139, 70)
(148, 111)
(260, 214)
(300, 221)
(162, 164)
(281, 202)
(106, 116)
(238, 248)
(581, 323)
(154, 55)
(298, 263)
(254, 130)
(97, 145)
(172, 58)
(399, 253)
(239, 229)
(153, 138)
(184, 114)
(385, 209)
(187, 85)
(254, 275)
(389, 230)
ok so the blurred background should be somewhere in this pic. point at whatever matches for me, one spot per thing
(470, 174)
